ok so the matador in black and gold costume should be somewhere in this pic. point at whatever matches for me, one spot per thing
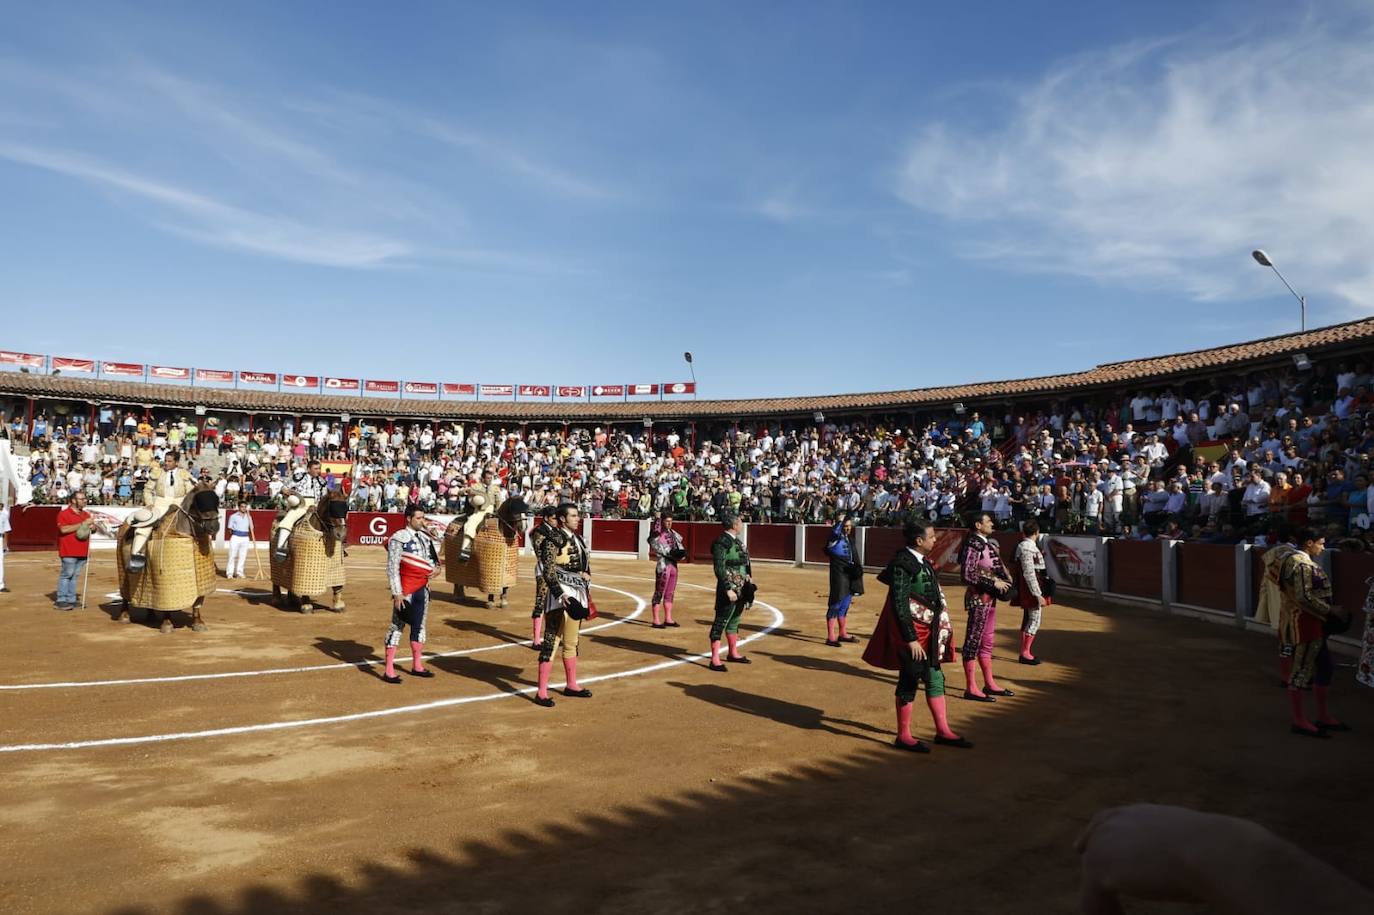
(565, 571)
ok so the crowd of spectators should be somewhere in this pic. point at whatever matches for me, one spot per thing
(1219, 461)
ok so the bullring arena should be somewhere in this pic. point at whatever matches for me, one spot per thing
(262, 765)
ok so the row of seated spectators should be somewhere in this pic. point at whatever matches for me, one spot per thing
(1221, 461)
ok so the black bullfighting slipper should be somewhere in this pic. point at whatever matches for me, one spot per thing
(671, 625)
(1339, 727)
(392, 679)
(657, 626)
(740, 660)
(1025, 660)
(422, 673)
(972, 697)
(832, 643)
(999, 692)
(719, 668)
(578, 693)
(916, 747)
(1319, 734)
(546, 702)
(962, 743)
(848, 638)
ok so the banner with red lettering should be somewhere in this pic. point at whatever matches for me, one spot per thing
(341, 384)
(608, 390)
(572, 390)
(73, 365)
(679, 387)
(168, 371)
(29, 359)
(214, 375)
(258, 377)
(450, 388)
(498, 390)
(421, 387)
(534, 390)
(300, 381)
(121, 368)
(372, 386)
(642, 389)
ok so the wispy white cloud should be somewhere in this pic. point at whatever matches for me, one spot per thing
(509, 158)
(212, 221)
(1160, 164)
(325, 181)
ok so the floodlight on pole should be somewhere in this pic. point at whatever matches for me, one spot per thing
(1264, 260)
(688, 356)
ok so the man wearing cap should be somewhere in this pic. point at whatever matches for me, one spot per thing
(160, 493)
(302, 492)
(483, 500)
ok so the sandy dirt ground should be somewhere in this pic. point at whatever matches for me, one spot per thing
(772, 787)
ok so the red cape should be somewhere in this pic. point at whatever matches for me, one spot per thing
(886, 647)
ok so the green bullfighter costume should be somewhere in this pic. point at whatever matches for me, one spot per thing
(915, 611)
(732, 568)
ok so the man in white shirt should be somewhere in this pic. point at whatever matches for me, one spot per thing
(1155, 452)
(1256, 498)
(1092, 509)
(240, 536)
(1112, 489)
(1140, 406)
(4, 532)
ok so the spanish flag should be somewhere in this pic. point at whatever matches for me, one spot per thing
(340, 469)
(1212, 451)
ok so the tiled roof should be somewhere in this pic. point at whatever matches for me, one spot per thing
(1239, 356)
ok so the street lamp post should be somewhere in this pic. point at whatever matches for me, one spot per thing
(1264, 260)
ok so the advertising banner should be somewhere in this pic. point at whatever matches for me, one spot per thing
(122, 368)
(535, 390)
(945, 555)
(300, 381)
(1072, 561)
(421, 387)
(642, 389)
(372, 386)
(73, 365)
(214, 375)
(497, 390)
(258, 377)
(679, 387)
(341, 384)
(373, 528)
(29, 359)
(453, 388)
(572, 390)
(608, 390)
(169, 371)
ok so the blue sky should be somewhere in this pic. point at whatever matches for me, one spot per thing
(811, 197)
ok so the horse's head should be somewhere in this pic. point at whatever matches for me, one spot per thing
(331, 514)
(513, 512)
(201, 506)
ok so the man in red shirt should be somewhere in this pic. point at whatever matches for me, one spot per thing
(73, 546)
